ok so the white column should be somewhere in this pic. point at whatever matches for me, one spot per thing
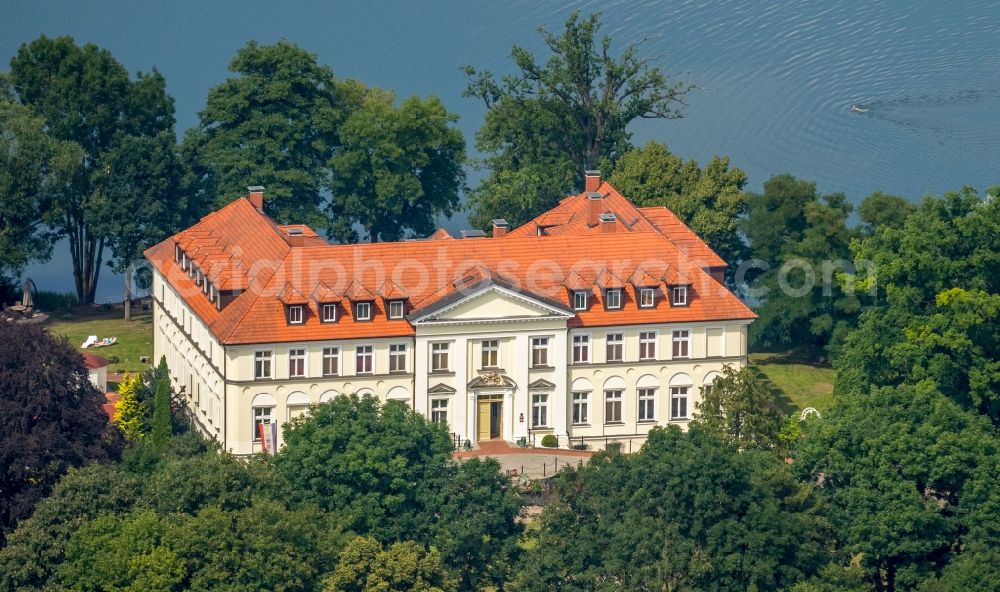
(460, 364)
(421, 367)
(520, 396)
(559, 403)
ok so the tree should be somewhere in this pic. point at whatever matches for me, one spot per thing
(130, 413)
(388, 473)
(800, 243)
(53, 417)
(882, 209)
(34, 169)
(36, 549)
(364, 566)
(142, 200)
(162, 421)
(550, 122)
(274, 124)
(396, 169)
(912, 273)
(911, 480)
(685, 512)
(86, 97)
(710, 200)
(740, 408)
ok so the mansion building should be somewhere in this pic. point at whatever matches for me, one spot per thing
(593, 322)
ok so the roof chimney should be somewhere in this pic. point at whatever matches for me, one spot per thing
(500, 227)
(594, 204)
(591, 180)
(608, 222)
(256, 196)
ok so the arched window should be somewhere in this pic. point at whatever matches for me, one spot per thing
(647, 388)
(580, 399)
(262, 409)
(680, 393)
(328, 396)
(398, 393)
(365, 392)
(614, 393)
(297, 404)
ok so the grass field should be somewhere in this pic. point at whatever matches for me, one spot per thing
(796, 383)
(135, 338)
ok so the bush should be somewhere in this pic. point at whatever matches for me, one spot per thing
(550, 441)
(45, 300)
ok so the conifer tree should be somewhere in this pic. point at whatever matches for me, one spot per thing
(129, 411)
(162, 428)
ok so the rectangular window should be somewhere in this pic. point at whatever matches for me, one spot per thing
(261, 416)
(395, 309)
(295, 315)
(539, 410)
(328, 313)
(647, 345)
(682, 340)
(331, 361)
(397, 357)
(439, 411)
(647, 404)
(613, 298)
(647, 297)
(615, 347)
(539, 352)
(491, 353)
(680, 295)
(211, 293)
(581, 404)
(177, 252)
(613, 406)
(580, 300)
(262, 364)
(364, 356)
(581, 349)
(439, 357)
(678, 402)
(199, 277)
(362, 311)
(296, 363)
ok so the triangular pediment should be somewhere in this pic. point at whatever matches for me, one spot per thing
(542, 384)
(493, 303)
(441, 389)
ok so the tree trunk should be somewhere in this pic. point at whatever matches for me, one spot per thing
(128, 293)
(86, 252)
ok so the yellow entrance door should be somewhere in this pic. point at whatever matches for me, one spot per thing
(484, 421)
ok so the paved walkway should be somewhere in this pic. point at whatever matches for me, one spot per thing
(531, 463)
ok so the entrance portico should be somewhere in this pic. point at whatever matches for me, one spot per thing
(491, 395)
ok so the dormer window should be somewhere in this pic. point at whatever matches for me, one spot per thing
(184, 261)
(613, 298)
(362, 311)
(177, 253)
(580, 300)
(211, 291)
(328, 312)
(199, 277)
(395, 309)
(296, 314)
(679, 295)
(647, 297)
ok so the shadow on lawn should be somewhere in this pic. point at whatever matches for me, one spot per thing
(781, 398)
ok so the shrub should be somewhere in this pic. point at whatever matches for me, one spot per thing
(45, 300)
(550, 441)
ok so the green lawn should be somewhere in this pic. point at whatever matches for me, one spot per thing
(796, 383)
(135, 338)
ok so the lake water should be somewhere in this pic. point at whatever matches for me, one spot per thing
(776, 78)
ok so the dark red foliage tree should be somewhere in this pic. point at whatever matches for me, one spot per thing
(51, 418)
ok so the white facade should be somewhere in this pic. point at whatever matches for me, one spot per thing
(492, 364)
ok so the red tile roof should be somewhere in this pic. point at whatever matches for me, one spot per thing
(246, 253)
(94, 362)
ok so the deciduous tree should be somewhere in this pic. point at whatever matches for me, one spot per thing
(365, 566)
(53, 417)
(87, 97)
(710, 200)
(34, 169)
(397, 168)
(739, 407)
(275, 123)
(550, 121)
